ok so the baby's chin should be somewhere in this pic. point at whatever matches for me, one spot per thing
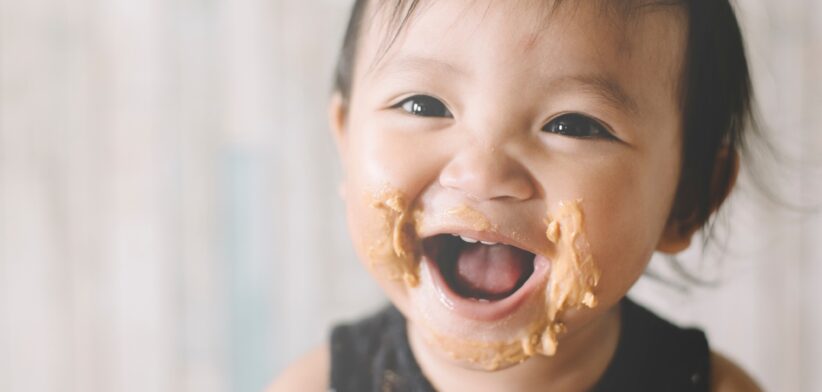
(460, 351)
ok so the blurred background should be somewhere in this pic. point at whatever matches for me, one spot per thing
(169, 219)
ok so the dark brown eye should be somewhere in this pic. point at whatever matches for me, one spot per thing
(578, 126)
(424, 106)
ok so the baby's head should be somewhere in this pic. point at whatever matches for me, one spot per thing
(574, 137)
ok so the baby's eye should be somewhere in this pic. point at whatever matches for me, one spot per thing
(424, 106)
(578, 126)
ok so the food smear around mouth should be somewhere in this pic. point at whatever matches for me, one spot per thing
(476, 219)
(396, 251)
(570, 285)
(494, 355)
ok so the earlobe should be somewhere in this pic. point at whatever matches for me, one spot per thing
(724, 177)
(673, 240)
(677, 235)
(337, 113)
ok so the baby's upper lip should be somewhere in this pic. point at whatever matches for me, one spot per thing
(489, 235)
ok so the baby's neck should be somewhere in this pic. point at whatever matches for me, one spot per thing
(581, 360)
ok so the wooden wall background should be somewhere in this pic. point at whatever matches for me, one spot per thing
(168, 209)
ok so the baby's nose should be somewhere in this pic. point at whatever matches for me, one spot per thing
(485, 173)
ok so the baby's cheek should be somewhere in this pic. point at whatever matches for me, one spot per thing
(407, 161)
(622, 247)
(360, 224)
(621, 263)
(365, 224)
(621, 222)
(383, 227)
(374, 173)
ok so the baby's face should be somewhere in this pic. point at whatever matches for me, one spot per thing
(481, 121)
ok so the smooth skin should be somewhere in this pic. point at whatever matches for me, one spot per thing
(465, 108)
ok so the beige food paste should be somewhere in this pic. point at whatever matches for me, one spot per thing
(476, 219)
(572, 279)
(397, 250)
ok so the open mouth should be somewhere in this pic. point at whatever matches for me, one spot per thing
(479, 270)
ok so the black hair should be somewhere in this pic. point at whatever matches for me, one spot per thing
(716, 100)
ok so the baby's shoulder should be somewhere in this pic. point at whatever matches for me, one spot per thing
(309, 373)
(726, 376)
(350, 352)
(680, 358)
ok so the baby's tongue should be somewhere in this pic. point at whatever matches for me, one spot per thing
(491, 271)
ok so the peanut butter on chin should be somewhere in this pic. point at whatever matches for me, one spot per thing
(572, 279)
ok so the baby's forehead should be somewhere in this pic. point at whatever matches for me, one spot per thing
(387, 19)
(547, 35)
(387, 22)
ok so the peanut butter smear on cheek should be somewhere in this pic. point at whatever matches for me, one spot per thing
(574, 274)
(397, 252)
(570, 285)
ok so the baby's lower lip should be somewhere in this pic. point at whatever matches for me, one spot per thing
(486, 310)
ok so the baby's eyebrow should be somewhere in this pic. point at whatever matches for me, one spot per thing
(602, 85)
(405, 63)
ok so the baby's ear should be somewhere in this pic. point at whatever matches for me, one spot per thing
(677, 235)
(673, 240)
(337, 120)
(337, 112)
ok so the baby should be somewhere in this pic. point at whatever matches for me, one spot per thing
(510, 168)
